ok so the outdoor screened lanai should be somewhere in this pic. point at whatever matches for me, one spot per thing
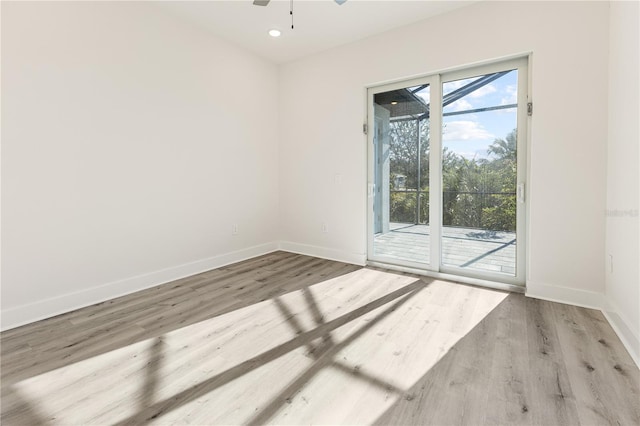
(477, 192)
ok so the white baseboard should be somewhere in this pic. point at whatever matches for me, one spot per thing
(567, 295)
(630, 338)
(324, 253)
(28, 313)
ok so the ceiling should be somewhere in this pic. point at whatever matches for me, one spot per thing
(319, 24)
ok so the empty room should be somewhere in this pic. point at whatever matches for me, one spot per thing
(339, 212)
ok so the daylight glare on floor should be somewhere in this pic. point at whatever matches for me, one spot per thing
(344, 350)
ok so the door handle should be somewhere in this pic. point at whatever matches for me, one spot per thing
(520, 193)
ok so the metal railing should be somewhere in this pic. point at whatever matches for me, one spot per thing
(460, 208)
(409, 206)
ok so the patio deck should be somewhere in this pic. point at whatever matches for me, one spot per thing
(477, 249)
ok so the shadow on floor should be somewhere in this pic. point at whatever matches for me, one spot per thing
(88, 332)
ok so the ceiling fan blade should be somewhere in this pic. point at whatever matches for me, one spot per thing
(261, 2)
(340, 2)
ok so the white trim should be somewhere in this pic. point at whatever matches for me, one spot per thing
(324, 253)
(505, 58)
(436, 80)
(32, 312)
(47, 308)
(630, 338)
(450, 277)
(435, 175)
(567, 295)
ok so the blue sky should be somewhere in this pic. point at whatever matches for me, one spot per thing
(470, 135)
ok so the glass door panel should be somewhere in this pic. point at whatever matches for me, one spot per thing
(401, 174)
(446, 174)
(480, 173)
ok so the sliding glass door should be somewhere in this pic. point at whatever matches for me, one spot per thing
(400, 151)
(447, 172)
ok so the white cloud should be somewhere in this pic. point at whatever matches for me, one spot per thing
(511, 95)
(460, 105)
(483, 91)
(465, 131)
(450, 86)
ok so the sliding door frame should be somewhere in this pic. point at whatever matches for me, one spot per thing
(435, 81)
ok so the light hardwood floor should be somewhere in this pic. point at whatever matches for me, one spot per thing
(291, 339)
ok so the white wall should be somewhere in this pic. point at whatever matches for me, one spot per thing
(131, 142)
(322, 108)
(623, 178)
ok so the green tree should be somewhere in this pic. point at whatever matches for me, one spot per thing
(477, 192)
(501, 214)
(403, 151)
(405, 135)
(505, 149)
(480, 193)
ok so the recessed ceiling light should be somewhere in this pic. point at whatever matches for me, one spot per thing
(274, 33)
(394, 102)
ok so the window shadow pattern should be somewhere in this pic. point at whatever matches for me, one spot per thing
(268, 285)
(322, 359)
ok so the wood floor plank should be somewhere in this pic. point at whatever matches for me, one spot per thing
(290, 339)
(552, 398)
(508, 397)
(603, 393)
